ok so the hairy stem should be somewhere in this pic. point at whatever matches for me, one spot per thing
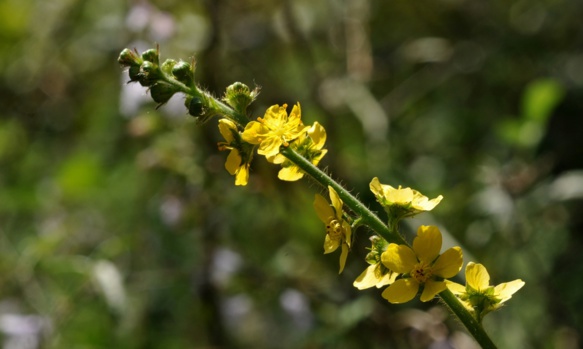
(391, 235)
(475, 328)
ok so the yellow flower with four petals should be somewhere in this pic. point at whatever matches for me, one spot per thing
(275, 129)
(421, 265)
(478, 296)
(338, 230)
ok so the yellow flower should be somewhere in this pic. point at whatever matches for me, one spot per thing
(421, 266)
(275, 129)
(376, 274)
(239, 159)
(478, 296)
(309, 144)
(402, 202)
(338, 231)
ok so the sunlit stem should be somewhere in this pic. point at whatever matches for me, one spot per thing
(473, 326)
(367, 217)
(389, 233)
(230, 113)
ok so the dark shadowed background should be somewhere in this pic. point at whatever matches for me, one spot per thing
(120, 227)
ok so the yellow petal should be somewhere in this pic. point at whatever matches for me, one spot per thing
(343, 257)
(376, 187)
(318, 135)
(226, 128)
(290, 174)
(422, 203)
(427, 244)
(399, 258)
(323, 209)
(336, 202)
(242, 177)
(276, 115)
(401, 291)
(254, 132)
(399, 196)
(431, 289)
(347, 232)
(276, 159)
(505, 290)
(449, 263)
(455, 288)
(477, 276)
(367, 278)
(270, 146)
(317, 159)
(233, 161)
(330, 245)
(295, 117)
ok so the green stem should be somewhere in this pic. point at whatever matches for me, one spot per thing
(368, 218)
(391, 235)
(473, 326)
(221, 107)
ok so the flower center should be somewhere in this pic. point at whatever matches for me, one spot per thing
(334, 229)
(421, 272)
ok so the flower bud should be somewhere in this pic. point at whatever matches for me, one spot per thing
(239, 96)
(151, 55)
(184, 73)
(129, 58)
(168, 65)
(162, 92)
(195, 106)
(149, 74)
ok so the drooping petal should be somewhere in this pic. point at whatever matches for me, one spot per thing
(290, 173)
(323, 209)
(336, 202)
(343, 257)
(347, 232)
(226, 128)
(449, 263)
(318, 135)
(427, 244)
(317, 159)
(455, 288)
(242, 177)
(477, 276)
(330, 245)
(505, 290)
(399, 258)
(270, 146)
(367, 278)
(376, 187)
(233, 161)
(401, 291)
(431, 289)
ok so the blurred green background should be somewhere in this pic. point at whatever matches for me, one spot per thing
(120, 228)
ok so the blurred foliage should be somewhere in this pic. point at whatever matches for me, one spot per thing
(120, 228)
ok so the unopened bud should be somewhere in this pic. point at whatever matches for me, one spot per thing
(162, 92)
(168, 65)
(239, 96)
(184, 73)
(151, 55)
(129, 58)
(149, 74)
(195, 106)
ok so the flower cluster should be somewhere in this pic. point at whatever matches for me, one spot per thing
(405, 270)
